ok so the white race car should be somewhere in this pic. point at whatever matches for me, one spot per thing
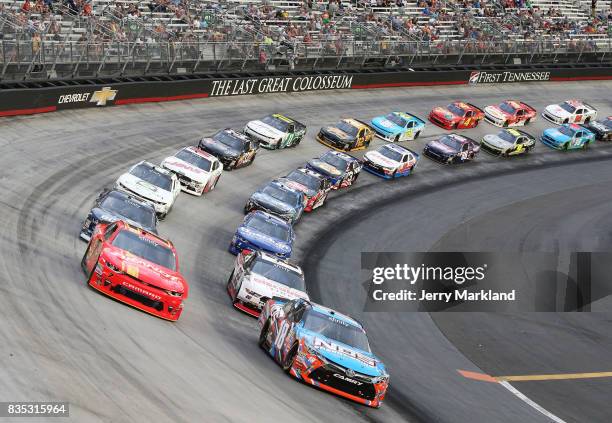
(276, 131)
(197, 171)
(570, 111)
(259, 276)
(151, 183)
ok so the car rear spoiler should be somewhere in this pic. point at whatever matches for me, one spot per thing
(476, 107)
(589, 106)
(415, 117)
(364, 124)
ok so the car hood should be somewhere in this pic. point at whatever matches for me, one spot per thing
(265, 129)
(109, 216)
(187, 169)
(444, 113)
(556, 110)
(263, 240)
(495, 112)
(386, 125)
(145, 189)
(145, 270)
(324, 167)
(344, 355)
(272, 203)
(376, 157)
(270, 289)
(217, 147)
(440, 147)
(496, 141)
(336, 133)
(555, 134)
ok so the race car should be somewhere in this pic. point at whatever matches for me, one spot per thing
(232, 148)
(570, 111)
(341, 169)
(457, 115)
(313, 185)
(568, 136)
(398, 126)
(346, 135)
(153, 184)
(323, 348)
(508, 142)
(113, 205)
(258, 277)
(452, 148)
(263, 231)
(136, 267)
(197, 171)
(278, 199)
(510, 113)
(276, 131)
(390, 161)
(601, 128)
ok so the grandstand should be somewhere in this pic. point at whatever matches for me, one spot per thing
(48, 39)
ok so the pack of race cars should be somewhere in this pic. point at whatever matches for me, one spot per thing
(127, 260)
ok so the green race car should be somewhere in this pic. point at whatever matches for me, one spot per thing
(276, 131)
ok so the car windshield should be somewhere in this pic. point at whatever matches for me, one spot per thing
(228, 139)
(347, 128)
(390, 153)
(268, 227)
(506, 136)
(277, 123)
(451, 142)
(333, 160)
(567, 107)
(152, 176)
(309, 181)
(279, 273)
(145, 248)
(507, 108)
(399, 121)
(336, 329)
(566, 130)
(458, 111)
(130, 210)
(286, 196)
(194, 159)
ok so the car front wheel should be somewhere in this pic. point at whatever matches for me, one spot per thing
(289, 358)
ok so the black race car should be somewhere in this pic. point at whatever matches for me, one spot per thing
(232, 148)
(601, 128)
(278, 199)
(112, 205)
(452, 148)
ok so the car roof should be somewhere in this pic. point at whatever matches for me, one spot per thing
(336, 314)
(126, 196)
(354, 122)
(282, 185)
(309, 172)
(154, 167)
(233, 133)
(457, 137)
(396, 148)
(200, 153)
(122, 225)
(279, 261)
(269, 217)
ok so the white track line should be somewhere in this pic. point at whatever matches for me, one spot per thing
(529, 401)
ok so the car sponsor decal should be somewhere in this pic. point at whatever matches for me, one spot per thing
(339, 349)
(492, 77)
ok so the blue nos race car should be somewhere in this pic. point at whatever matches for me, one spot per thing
(568, 136)
(323, 348)
(261, 231)
(398, 126)
(339, 168)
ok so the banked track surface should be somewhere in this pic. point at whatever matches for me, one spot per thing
(63, 341)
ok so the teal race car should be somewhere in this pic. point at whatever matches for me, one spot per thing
(398, 126)
(569, 136)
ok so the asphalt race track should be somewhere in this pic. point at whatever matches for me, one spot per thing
(63, 341)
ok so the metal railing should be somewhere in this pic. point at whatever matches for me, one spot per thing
(27, 60)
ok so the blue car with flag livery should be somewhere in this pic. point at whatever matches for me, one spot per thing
(568, 136)
(339, 168)
(261, 231)
(398, 126)
(323, 348)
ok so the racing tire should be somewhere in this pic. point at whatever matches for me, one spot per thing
(263, 335)
(354, 179)
(83, 264)
(397, 138)
(416, 135)
(162, 216)
(566, 121)
(367, 144)
(585, 146)
(587, 120)
(290, 358)
(566, 146)
(212, 187)
(527, 121)
(394, 174)
(505, 125)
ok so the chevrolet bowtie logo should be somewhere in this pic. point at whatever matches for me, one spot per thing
(102, 96)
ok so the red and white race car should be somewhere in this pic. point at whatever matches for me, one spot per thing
(510, 113)
(570, 111)
(136, 267)
(457, 115)
(313, 185)
(197, 171)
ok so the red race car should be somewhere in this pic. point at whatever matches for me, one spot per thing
(457, 115)
(136, 267)
(510, 113)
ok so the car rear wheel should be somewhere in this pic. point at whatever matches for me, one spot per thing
(397, 138)
(417, 135)
(505, 124)
(565, 121)
(587, 120)
(527, 122)
(566, 146)
(289, 358)
(263, 335)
